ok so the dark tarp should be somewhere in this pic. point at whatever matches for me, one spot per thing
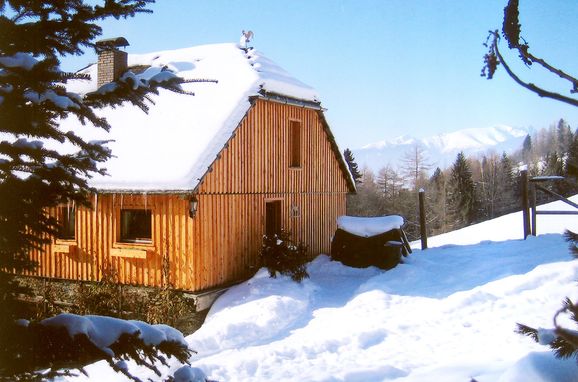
(383, 250)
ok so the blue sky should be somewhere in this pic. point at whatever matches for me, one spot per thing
(383, 68)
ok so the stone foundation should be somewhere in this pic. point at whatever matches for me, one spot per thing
(52, 296)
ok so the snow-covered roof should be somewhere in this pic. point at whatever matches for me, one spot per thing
(171, 147)
(369, 226)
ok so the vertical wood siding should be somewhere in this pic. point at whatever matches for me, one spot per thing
(220, 244)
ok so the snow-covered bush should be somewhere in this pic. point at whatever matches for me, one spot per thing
(52, 347)
(280, 254)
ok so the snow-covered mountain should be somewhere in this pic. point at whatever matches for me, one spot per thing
(441, 150)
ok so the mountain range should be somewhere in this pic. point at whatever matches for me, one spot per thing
(441, 150)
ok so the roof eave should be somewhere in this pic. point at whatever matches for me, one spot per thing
(287, 100)
(103, 191)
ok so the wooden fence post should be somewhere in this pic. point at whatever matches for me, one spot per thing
(533, 207)
(422, 227)
(525, 203)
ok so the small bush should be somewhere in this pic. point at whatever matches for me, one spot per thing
(102, 298)
(280, 254)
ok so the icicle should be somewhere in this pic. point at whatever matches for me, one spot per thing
(95, 203)
(121, 200)
(145, 199)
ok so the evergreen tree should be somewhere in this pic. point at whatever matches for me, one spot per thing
(461, 198)
(572, 160)
(33, 98)
(507, 187)
(564, 137)
(34, 35)
(438, 201)
(527, 149)
(352, 165)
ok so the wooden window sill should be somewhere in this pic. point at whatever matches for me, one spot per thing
(63, 247)
(129, 252)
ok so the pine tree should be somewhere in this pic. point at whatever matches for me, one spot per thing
(572, 161)
(352, 165)
(34, 35)
(33, 98)
(527, 149)
(564, 137)
(462, 199)
(438, 201)
(507, 187)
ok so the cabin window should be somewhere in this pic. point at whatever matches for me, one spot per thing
(273, 218)
(66, 223)
(136, 226)
(295, 144)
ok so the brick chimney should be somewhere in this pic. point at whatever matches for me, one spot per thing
(112, 62)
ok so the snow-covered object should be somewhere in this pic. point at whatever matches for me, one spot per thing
(172, 147)
(367, 227)
(189, 374)
(103, 331)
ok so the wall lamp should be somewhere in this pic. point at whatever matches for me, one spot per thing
(193, 205)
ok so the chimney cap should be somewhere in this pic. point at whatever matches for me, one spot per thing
(111, 44)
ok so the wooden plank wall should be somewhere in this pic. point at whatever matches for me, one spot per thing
(97, 236)
(256, 159)
(254, 167)
(220, 245)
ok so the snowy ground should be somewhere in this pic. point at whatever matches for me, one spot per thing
(447, 314)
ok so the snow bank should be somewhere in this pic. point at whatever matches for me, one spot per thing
(508, 227)
(189, 374)
(367, 227)
(447, 314)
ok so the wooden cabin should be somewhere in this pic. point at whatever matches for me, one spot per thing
(196, 183)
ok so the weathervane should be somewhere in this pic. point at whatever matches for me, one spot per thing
(246, 37)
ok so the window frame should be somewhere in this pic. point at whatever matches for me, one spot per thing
(70, 213)
(128, 241)
(295, 156)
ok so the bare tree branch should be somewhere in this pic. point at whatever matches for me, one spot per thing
(533, 88)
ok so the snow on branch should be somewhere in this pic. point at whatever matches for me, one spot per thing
(51, 347)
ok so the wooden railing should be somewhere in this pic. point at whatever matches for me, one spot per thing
(530, 186)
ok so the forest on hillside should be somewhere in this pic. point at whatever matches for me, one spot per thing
(472, 189)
